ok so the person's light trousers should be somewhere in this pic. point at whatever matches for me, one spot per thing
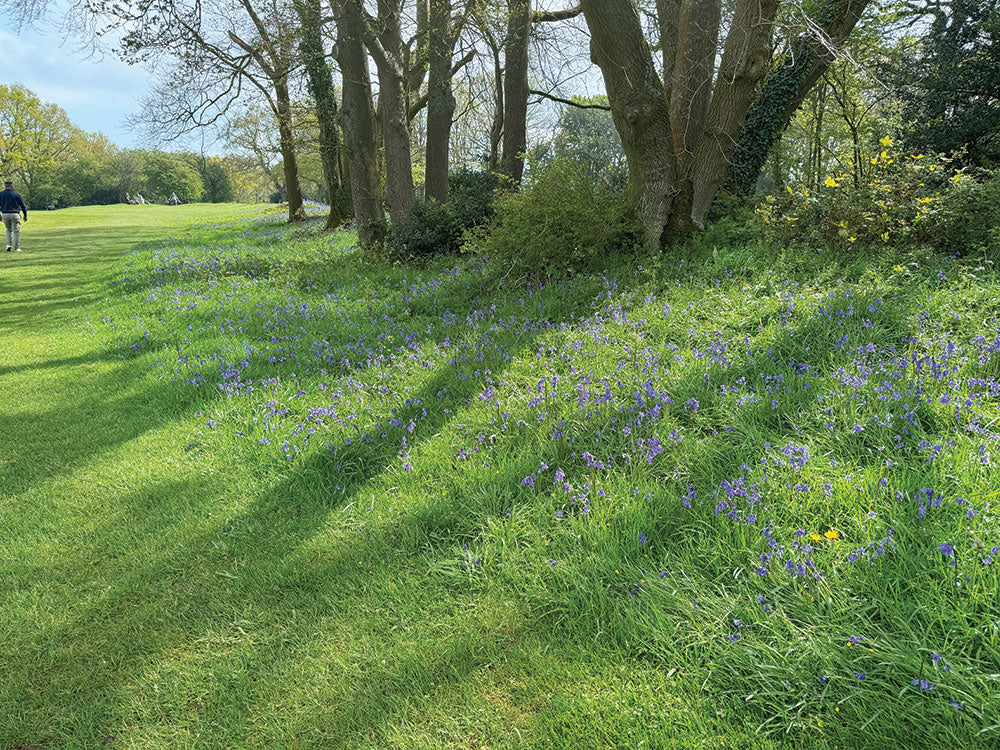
(13, 224)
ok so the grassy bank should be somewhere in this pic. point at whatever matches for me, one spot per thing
(261, 491)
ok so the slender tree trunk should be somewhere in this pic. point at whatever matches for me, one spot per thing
(515, 132)
(440, 100)
(639, 109)
(497, 127)
(296, 211)
(358, 121)
(786, 88)
(777, 167)
(321, 87)
(818, 143)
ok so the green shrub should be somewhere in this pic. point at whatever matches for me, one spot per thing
(434, 228)
(557, 220)
(472, 195)
(969, 213)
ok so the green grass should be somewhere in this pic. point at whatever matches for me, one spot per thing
(337, 548)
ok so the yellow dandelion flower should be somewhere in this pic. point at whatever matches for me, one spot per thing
(815, 537)
(832, 534)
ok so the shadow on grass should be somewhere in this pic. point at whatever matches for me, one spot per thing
(104, 411)
(259, 566)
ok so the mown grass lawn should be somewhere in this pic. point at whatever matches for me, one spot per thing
(261, 491)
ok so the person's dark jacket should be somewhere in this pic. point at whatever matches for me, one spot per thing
(11, 203)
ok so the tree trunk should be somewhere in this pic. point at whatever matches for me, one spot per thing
(786, 88)
(639, 109)
(497, 127)
(415, 58)
(296, 211)
(358, 121)
(515, 132)
(745, 60)
(393, 107)
(668, 15)
(440, 100)
(697, 37)
(818, 142)
(321, 87)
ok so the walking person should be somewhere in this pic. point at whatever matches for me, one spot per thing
(11, 208)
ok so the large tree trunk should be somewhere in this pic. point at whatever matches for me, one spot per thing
(745, 60)
(296, 211)
(639, 108)
(697, 37)
(321, 87)
(440, 99)
(515, 131)
(785, 89)
(357, 118)
(671, 186)
(387, 49)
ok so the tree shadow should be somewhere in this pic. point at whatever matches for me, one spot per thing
(190, 584)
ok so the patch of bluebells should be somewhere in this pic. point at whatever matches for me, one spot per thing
(612, 381)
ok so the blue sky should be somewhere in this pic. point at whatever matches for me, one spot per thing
(97, 93)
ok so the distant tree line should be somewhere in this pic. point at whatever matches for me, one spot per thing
(55, 164)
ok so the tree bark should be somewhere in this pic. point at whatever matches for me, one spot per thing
(515, 130)
(786, 88)
(415, 57)
(745, 60)
(357, 118)
(386, 48)
(320, 81)
(440, 100)
(289, 163)
(668, 15)
(640, 111)
(497, 126)
(697, 37)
